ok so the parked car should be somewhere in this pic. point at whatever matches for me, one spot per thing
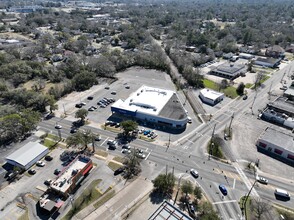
(125, 151)
(245, 97)
(119, 171)
(48, 158)
(91, 109)
(32, 171)
(79, 105)
(57, 171)
(223, 189)
(48, 182)
(90, 97)
(126, 147)
(106, 87)
(194, 173)
(83, 103)
(113, 93)
(261, 179)
(40, 163)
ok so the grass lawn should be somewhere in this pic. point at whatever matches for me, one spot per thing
(53, 137)
(119, 159)
(248, 85)
(247, 205)
(113, 129)
(101, 153)
(88, 196)
(107, 195)
(229, 91)
(114, 166)
(50, 143)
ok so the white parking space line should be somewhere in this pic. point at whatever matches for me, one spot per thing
(234, 183)
(221, 202)
(104, 141)
(148, 155)
(146, 149)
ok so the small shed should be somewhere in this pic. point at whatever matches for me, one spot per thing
(27, 155)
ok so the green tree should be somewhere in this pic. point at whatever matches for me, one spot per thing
(129, 126)
(187, 188)
(132, 165)
(224, 84)
(81, 138)
(197, 193)
(164, 183)
(207, 213)
(84, 80)
(240, 89)
(81, 114)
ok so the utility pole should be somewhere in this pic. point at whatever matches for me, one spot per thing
(269, 92)
(211, 142)
(244, 203)
(168, 144)
(230, 126)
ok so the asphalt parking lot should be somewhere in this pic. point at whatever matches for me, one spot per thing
(128, 82)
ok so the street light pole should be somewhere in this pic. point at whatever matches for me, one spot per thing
(244, 203)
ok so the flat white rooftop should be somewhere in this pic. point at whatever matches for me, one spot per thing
(146, 99)
(64, 181)
(210, 94)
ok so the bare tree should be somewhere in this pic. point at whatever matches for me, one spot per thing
(260, 208)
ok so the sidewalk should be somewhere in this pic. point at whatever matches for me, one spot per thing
(120, 203)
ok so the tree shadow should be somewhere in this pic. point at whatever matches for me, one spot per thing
(157, 197)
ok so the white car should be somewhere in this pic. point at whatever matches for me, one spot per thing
(57, 126)
(40, 163)
(141, 155)
(261, 179)
(126, 151)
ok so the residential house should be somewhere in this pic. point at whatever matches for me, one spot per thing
(275, 51)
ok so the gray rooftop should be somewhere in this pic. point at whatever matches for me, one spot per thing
(268, 60)
(173, 109)
(230, 69)
(27, 153)
(284, 105)
(170, 212)
(279, 138)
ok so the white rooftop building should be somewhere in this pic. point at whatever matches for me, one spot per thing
(211, 97)
(27, 155)
(154, 105)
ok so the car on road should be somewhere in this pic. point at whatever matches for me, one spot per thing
(40, 163)
(57, 126)
(90, 97)
(57, 171)
(48, 158)
(73, 130)
(32, 171)
(119, 171)
(261, 179)
(113, 93)
(223, 189)
(245, 97)
(106, 87)
(194, 173)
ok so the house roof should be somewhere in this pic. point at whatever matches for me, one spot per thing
(27, 153)
(267, 60)
(276, 48)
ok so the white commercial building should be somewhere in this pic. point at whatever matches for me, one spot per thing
(211, 97)
(27, 155)
(278, 144)
(154, 105)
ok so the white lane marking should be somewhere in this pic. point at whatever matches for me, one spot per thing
(148, 155)
(245, 180)
(221, 202)
(190, 141)
(104, 141)
(234, 183)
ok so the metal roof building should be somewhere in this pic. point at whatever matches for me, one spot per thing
(27, 155)
(229, 70)
(211, 97)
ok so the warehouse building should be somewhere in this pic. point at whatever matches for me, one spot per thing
(211, 97)
(28, 155)
(278, 144)
(229, 70)
(153, 105)
(267, 62)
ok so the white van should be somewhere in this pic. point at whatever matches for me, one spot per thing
(282, 193)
